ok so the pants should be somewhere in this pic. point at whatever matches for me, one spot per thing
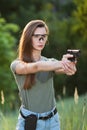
(49, 124)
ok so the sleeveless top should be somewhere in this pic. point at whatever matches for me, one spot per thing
(40, 98)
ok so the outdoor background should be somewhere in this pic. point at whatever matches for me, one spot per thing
(67, 21)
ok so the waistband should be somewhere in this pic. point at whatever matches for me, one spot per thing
(46, 115)
(49, 115)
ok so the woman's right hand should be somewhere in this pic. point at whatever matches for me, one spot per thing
(68, 66)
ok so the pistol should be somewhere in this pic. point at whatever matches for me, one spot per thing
(75, 53)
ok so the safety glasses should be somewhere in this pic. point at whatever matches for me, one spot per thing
(40, 36)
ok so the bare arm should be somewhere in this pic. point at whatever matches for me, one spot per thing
(27, 68)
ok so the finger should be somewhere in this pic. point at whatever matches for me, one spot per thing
(67, 56)
(71, 72)
(69, 68)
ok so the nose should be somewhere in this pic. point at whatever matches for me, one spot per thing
(41, 39)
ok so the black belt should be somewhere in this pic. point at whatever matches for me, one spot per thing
(42, 117)
(49, 116)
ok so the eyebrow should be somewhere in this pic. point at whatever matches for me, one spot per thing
(39, 34)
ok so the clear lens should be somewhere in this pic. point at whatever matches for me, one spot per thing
(37, 36)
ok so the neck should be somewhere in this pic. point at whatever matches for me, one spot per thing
(36, 55)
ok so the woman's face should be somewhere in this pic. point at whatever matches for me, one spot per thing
(39, 38)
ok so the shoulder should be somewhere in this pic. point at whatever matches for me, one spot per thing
(13, 64)
(15, 61)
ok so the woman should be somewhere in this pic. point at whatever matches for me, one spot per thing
(34, 77)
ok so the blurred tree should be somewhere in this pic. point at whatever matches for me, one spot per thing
(77, 37)
(7, 44)
(21, 11)
(79, 33)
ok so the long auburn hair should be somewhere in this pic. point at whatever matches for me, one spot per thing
(25, 47)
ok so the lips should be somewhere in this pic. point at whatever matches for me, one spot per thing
(40, 45)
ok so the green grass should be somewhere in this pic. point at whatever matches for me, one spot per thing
(8, 121)
(72, 116)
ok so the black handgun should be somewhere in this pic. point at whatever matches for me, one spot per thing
(75, 53)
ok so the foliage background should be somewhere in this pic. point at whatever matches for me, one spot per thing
(67, 21)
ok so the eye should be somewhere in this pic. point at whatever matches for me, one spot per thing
(43, 35)
(36, 35)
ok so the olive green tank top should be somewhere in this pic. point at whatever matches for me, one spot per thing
(40, 98)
